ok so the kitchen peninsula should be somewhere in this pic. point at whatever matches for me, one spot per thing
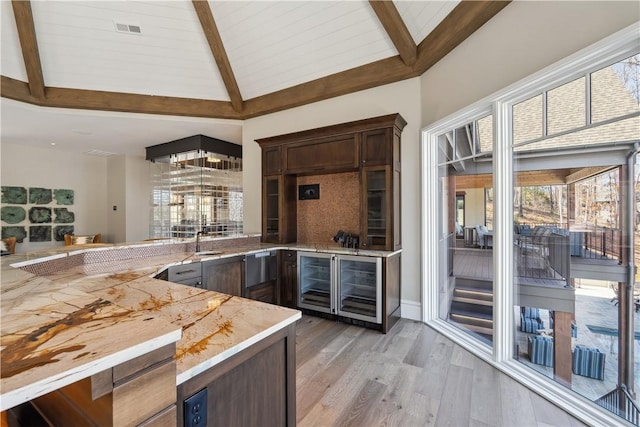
(89, 336)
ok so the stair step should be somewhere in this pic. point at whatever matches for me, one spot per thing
(473, 301)
(473, 293)
(477, 318)
(475, 328)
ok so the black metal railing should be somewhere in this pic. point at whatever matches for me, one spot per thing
(620, 402)
(587, 241)
(544, 257)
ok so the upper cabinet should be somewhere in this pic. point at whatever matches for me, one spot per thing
(370, 147)
(322, 155)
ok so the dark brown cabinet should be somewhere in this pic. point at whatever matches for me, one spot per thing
(272, 161)
(288, 279)
(376, 149)
(279, 209)
(322, 155)
(370, 147)
(223, 275)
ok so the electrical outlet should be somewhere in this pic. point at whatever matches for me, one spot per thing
(195, 410)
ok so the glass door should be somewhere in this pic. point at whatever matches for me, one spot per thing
(359, 283)
(315, 281)
(377, 208)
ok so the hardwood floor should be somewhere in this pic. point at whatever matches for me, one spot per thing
(412, 376)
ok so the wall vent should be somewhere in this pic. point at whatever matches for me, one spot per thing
(127, 28)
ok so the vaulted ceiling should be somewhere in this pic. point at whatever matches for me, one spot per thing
(225, 60)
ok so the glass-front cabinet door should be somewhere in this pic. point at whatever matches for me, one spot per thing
(272, 208)
(360, 288)
(315, 279)
(377, 209)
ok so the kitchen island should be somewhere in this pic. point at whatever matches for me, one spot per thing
(89, 336)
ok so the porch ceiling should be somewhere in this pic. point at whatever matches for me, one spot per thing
(532, 178)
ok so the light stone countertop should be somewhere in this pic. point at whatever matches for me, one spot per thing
(66, 325)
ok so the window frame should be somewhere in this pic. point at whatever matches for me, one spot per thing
(603, 53)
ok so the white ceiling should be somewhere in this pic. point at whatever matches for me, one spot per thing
(270, 45)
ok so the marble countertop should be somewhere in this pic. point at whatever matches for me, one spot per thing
(64, 326)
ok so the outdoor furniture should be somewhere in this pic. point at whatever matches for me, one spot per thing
(485, 236)
(588, 362)
(530, 320)
(541, 350)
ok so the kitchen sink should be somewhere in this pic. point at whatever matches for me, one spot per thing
(204, 253)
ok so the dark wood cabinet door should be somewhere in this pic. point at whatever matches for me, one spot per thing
(279, 209)
(223, 275)
(289, 279)
(339, 153)
(272, 160)
(377, 206)
(376, 147)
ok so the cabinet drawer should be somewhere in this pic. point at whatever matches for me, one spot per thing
(181, 273)
(323, 155)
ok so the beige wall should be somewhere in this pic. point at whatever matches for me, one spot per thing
(523, 38)
(473, 206)
(24, 166)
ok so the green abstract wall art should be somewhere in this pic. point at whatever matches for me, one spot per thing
(60, 230)
(14, 195)
(13, 214)
(39, 196)
(40, 233)
(63, 197)
(39, 215)
(19, 232)
(63, 216)
(35, 220)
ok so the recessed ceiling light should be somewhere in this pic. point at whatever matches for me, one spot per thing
(53, 144)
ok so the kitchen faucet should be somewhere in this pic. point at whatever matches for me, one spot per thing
(198, 234)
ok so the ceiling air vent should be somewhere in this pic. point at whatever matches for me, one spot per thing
(127, 28)
(99, 153)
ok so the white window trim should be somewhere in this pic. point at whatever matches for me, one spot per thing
(603, 53)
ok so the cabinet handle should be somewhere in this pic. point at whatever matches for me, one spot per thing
(184, 272)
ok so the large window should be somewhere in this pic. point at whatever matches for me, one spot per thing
(543, 285)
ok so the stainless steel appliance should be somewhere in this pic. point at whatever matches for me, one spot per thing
(260, 267)
(349, 286)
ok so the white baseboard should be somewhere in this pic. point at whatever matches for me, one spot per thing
(411, 310)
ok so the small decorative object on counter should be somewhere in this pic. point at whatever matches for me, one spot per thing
(347, 240)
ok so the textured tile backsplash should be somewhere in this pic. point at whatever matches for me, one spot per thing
(338, 208)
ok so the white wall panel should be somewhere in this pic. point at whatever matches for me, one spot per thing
(80, 48)
(12, 63)
(274, 45)
(422, 17)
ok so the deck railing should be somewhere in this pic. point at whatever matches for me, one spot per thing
(620, 402)
(588, 241)
(544, 257)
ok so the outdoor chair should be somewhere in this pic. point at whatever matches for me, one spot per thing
(482, 232)
(588, 362)
(541, 350)
(530, 320)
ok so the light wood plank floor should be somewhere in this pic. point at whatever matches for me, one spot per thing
(412, 376)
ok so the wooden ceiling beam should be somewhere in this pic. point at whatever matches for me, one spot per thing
(29, 45)
(460, 23)
(455, 28)
(208, 23)
(585, 173)
(395, 27)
